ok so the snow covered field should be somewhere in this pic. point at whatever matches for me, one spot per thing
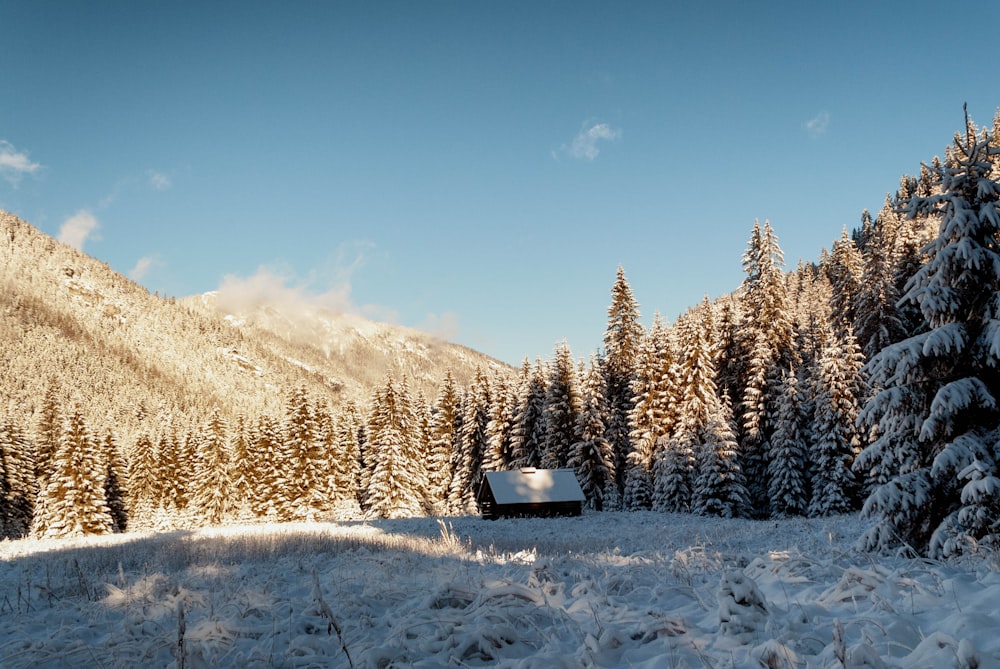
(603, 590)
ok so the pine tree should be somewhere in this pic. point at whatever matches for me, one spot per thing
(143, 486)
(638, 492)
(705, 475)
(654, 391)
(719, 486)
(812, 296)
(638, 478)
(562, 410)
(911, 237)
(834, 489)
(395, 487)
(72, 502)
(862, 236)
(980, 511)
(499, 430)
(467, 462)
(733, 346)
(770, 349)
(935, 414)
(592, 456)
(622, 340)
(698, 394)
(674, 464)
(19, 483)
(675, 450)
(366, 457)
(528, 434)
(328, 424)
(241, 469)
(416, 424)
(348, 446)
(877, 322)
(48, 433)
(844, 270)
(187, 464)
(266, 456)
(6, 448)
(301, 458)
(114, 484)
(445, 435)
(788, 483)
(673, 473)
(169, 492)
(211, 496)
(928, 183)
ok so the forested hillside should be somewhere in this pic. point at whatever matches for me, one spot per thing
(79, 338)
(865, 380)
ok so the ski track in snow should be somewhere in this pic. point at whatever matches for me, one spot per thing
(645, 590)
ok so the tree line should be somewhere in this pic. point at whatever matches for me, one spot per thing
(864, 381)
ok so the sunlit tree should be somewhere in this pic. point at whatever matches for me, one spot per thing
(72, 502)
(935, 414)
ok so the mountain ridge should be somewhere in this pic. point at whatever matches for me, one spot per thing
(67, 320)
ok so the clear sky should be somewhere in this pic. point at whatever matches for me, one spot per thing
(475, 169)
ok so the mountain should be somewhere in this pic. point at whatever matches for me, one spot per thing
(346, 352)
(72, 326)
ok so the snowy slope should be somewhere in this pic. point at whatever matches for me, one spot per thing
(603, 590)
(68, 321)
(349, 351)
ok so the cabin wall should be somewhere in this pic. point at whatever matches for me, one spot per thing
(538, 510)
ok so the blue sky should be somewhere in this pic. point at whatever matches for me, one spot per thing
(475, 169)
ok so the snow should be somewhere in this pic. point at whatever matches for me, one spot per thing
(639, 589)
(242, 361)
(535, 486)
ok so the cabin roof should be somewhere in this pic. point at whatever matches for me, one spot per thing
(534, 486)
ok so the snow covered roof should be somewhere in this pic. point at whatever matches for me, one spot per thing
(533, 486)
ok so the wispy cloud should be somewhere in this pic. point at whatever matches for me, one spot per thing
(586, 144)
(143, 266)
(77, 229)
(818, 125)
(15, 164)
(328, 287)
(159, 180)
(154, 179)
(275, 287)
(443, 326)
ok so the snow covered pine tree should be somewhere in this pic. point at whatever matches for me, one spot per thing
(935, 415)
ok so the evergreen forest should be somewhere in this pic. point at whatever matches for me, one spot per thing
(864, 382)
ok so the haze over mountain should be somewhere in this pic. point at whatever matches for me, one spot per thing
(69, 322)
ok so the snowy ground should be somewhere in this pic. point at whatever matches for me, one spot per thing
(603, 590)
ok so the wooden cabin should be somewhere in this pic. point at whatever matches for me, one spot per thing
(530, 492)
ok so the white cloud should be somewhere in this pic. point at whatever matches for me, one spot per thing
(585, 145)
(77, 229)
(154, 179)
(328, 287)
(443, 326)
(142, 267)
(159, 180)
(15, 164)
(273, 287)
(818, 125)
